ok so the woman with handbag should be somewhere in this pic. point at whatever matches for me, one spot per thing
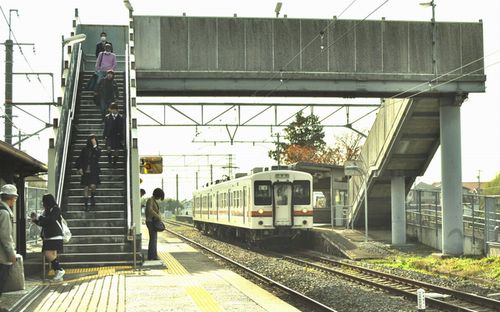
(153, 217)
(52, 235)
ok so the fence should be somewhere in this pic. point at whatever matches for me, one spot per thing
(481, 219)
(33, 205)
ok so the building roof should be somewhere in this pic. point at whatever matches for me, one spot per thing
(14, 161)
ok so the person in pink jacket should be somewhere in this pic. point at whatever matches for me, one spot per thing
(105, 61)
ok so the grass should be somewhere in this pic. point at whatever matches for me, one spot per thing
(487, 269)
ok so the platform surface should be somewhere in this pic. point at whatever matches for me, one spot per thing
(183, 280)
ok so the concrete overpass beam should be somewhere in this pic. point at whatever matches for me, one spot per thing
(398, 216)
(451, 176)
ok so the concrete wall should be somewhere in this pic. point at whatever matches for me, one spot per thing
(428, 237)
(257, 44)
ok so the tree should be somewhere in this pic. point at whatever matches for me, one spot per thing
(492, 187)
(304, 135)
(304, 141)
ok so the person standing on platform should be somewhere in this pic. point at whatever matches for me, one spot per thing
(51, 224)
(87, 165)
(107, 91)
(113, 133)
(8, 197)
(153, 214)
(100, 46)
(105, 61)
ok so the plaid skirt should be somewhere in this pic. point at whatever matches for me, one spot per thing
(53, 244)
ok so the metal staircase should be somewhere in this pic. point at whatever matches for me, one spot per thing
(100, 235)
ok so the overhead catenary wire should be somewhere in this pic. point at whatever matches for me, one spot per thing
(329, 46)
(21, 51)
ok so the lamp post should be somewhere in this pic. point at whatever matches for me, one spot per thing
(433, 23)
(355, 169)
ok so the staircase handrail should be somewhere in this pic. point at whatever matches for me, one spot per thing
(70, 97)
(128, 134)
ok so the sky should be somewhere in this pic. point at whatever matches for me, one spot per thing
(44, 22)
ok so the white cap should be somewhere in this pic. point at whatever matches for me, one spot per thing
(9, 189)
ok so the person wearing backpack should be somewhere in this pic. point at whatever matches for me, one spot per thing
(8, 197)
(52, 234)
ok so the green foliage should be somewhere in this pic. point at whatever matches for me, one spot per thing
(486, 269)
(304, 131)
(492, 187)
(170, 204)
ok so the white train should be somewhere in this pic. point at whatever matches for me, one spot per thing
(264, 204)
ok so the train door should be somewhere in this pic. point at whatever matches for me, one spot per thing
(282, 204)
(244, 203)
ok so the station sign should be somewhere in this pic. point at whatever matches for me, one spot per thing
(151, 165)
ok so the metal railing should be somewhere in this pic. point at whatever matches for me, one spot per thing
(128, 134)
(481, 215)
(65, 125)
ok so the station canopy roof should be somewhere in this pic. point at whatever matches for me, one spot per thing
(14, 161)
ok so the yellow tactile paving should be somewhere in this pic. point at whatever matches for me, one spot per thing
(202, 298)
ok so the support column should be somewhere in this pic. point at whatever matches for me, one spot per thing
(398, 211)
(51, 166)
(451, 177)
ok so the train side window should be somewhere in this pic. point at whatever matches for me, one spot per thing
(301, 192)
(262, 194)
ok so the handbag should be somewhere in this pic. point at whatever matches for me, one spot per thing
(14, 279)
(92, 83)
(159, 225)
(66, 233)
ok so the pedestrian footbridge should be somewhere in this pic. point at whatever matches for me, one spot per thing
(422, 70)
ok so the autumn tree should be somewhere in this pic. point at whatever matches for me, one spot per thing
(304, 141)
(304, 134)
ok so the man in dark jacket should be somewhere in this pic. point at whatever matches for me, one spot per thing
(107, 91)
(100, 46)
(113, 132)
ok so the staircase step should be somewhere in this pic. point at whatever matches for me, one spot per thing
(104, 184)
(97, 222)
(98, 192)
(99, 206)
(103, 231)
(99, 200)
(94, 214)
(95, 257)
(96, 248)
(98, 239)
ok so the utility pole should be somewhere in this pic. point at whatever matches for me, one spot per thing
(278, 150)
(196, 179)
(211, 175)
(177, 193)
(479, 182)
(9, 62)
(8, 88)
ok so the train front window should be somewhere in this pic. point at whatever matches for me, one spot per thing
(301, 193)
(262, 193)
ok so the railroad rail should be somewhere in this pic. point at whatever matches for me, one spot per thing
(316, 304)
(441, 297)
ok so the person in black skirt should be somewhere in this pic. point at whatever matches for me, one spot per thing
(87, 165)
(50, 221)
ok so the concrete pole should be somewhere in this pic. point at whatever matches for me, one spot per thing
(8, 90)
(451, 177)
(398, 213)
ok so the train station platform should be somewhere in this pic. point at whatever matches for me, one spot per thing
(350, 243)
(183, 280)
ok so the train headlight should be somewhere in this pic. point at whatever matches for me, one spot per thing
(304, 210)
(261, 211)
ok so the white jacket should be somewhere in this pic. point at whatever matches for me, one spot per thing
(7, 245)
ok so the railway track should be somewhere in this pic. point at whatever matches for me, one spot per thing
(437, 296)
(315, 304)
